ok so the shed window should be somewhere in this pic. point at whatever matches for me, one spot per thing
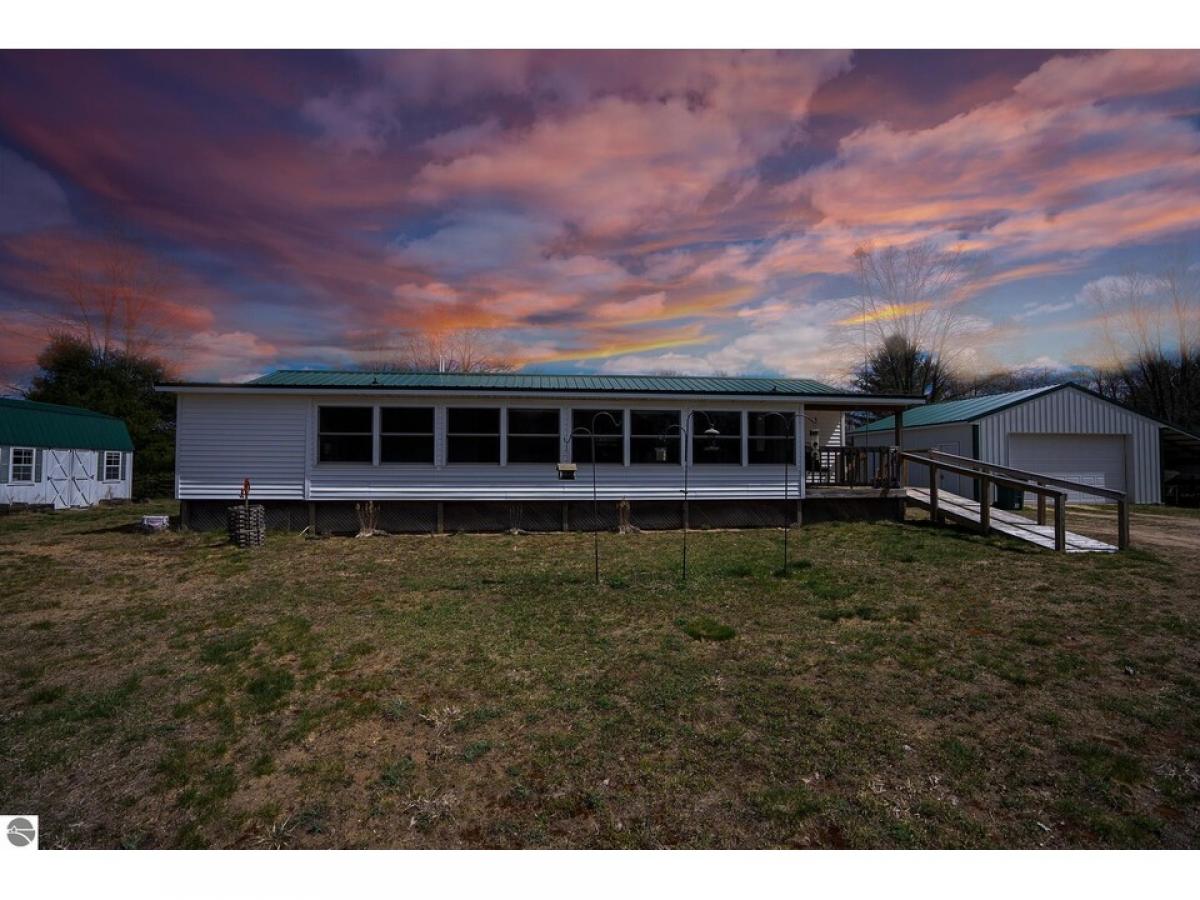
(345, 434)
(724, 448)
(112, 465)
(654, 436)
(533, 436)
(610, 437)
(769, 440)
(406, 434)
(21, 467)
(473, 435)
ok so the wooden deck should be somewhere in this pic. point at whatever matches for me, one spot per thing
(1012, 524)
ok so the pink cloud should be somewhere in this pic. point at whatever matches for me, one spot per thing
(647, 306)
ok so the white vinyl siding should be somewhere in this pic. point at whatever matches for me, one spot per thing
(271, 439)
(219, 440)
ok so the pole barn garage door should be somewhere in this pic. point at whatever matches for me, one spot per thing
(1096, 459)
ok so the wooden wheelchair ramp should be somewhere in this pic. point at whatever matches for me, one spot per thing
(960, 509)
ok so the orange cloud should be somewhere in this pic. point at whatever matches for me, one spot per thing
(887, 313)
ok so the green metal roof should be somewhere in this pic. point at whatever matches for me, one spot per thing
(957, 410)
(24, 423)
(639, 384)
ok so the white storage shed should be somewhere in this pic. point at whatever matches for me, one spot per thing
(62, 456)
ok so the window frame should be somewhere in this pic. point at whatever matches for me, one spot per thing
(12, 465)
(770, 439)
(673, 434)
(498, 435)
(620, 438)
(105, 466)
(509, 434)
(380, 434)
(372, 434)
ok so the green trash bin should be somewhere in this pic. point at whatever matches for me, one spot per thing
(1009, 498)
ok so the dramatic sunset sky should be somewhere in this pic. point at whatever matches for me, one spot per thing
(592, 211)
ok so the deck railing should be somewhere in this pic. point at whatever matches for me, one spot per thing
(852, 467)
(989, 474)
(1040, 480)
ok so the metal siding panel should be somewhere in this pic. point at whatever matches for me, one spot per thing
(1070, 411)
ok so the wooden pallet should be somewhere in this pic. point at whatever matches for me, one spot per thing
(960, 509)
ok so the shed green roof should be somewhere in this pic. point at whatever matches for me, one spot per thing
(639, 384)
(24, 423)
(957, 410)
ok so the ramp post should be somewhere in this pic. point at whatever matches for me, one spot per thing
(985, 503)
(1122, 524)
(933, 493)
(1060, 523)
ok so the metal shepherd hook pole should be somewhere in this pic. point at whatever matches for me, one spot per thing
(790, 422)
(686, 431)
(790, 450)
(591, 433)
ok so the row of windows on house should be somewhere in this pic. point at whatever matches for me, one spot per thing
(25, 465)
(473, 435)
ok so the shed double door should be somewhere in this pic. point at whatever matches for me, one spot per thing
(71, 477)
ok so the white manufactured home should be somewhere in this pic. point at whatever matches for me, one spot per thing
(478, 452)
(1064, 430)
(62, 456)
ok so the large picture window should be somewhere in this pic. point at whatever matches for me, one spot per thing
(473, 435)
(533, 436)
(654, 436)
(769, 442)
(724, 448)
(21, 467)
(610, 437)
(406, 434)
(345, 434)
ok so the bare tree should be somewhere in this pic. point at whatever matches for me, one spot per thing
(1003, 381)
(111, 293)
(1150, 324)
(465, 350)
(906, 314)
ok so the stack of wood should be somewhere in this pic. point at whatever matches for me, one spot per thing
(247, 525)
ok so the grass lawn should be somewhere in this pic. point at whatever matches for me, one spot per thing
(904, 686)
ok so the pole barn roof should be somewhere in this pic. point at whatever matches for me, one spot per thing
(24, 423)
(951, 412)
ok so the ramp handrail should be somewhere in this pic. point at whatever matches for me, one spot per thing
(986, 480)
(1054, 481)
